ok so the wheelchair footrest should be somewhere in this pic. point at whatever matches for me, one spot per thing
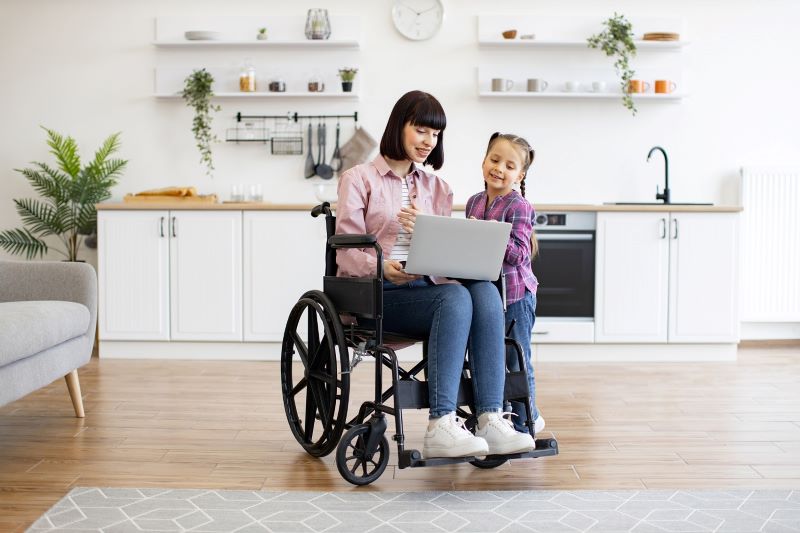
(414, 459)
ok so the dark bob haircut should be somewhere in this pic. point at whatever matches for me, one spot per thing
(420, 109)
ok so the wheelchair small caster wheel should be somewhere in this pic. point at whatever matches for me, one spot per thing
(487, 463)
(353, 461)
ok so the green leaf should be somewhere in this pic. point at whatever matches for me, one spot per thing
(41, 218)
(21, 241)
(65, 150)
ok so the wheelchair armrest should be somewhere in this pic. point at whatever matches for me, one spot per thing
(352, 241)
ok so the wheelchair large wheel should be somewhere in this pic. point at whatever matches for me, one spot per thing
(355, 464)
(315, 397)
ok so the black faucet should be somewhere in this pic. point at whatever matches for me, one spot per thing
(662, 195)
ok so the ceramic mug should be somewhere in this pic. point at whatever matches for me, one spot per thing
(535, 85)
(598, 86)
(315, 86)
(572, 86)
(638, 86)
(501, 84)
(665, 86)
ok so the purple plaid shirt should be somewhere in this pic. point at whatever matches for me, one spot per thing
(513, 208)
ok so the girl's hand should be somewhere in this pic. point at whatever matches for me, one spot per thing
(407, 217)
(393, 271)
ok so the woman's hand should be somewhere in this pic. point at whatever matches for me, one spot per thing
(407, 217)
(394, 272)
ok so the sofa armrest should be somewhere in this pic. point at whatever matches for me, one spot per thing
(50, 280)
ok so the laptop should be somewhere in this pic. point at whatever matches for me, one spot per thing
(457, 247)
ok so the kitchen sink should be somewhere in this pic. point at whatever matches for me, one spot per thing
(657, 203)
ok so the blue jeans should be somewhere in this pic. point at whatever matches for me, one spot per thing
(453, 316)
(524, 313)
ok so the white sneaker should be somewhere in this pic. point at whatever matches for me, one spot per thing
(501, 436)
(448, 437)
(538, 424)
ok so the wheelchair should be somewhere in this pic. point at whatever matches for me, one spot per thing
(316, 368)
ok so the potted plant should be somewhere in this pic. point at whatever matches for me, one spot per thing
(69, 193)
(262, 34)
(347, 75)
(197, 93)
(616, 40)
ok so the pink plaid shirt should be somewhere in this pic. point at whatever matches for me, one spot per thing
(370, 197)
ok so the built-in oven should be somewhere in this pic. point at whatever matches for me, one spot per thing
(565, 268)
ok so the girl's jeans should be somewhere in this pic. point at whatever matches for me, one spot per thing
(524, 313)
(451, 316)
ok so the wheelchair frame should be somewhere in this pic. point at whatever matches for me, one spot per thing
(326, 348)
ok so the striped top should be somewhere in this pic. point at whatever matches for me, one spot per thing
(403, 242)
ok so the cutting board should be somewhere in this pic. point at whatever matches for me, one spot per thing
(202, 199)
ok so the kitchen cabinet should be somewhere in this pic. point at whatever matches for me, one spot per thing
(170, 275)
(666, 277)
(284, 256)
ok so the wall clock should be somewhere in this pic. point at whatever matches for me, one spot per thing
(417, 19)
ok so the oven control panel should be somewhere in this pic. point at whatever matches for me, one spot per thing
(571, 221)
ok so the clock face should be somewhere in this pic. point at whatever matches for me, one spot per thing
(418, 19)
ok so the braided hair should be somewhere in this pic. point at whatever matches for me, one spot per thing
(523, 146)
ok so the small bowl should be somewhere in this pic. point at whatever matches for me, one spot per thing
(202, 35)
(509, 34)
(528, 36)
(326, 191)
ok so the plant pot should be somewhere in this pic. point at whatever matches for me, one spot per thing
(347, 86)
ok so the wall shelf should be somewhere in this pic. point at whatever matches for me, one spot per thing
(255, 44)
(572, 44)
(579, 95)
(262, 95)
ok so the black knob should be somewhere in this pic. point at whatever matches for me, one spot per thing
(541, 220)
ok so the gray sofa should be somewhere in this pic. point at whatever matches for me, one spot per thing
(48, 313)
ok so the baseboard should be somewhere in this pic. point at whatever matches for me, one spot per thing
(271, 351)
(754, 331)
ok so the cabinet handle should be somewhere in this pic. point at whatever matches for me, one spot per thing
(663, 228)
(675, 232)
(541, 332)
(174, 227)
(162, 226)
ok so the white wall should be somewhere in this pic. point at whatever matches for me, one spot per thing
(86, 68)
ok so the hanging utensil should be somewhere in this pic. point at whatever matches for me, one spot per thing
(336, 159)
(323, 171)
(311, 165)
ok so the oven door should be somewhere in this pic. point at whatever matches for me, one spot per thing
(565, 270)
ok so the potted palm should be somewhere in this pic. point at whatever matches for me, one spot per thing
(197, 93)
(69, 193)
(347, 75)
(616, 40)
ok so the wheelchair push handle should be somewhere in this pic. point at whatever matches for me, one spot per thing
(322, 209)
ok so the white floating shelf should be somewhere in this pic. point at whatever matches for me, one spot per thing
(579, 95)
(341, 44)
(534, 43)
(260, 95)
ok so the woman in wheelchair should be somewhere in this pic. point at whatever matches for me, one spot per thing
(382, 198)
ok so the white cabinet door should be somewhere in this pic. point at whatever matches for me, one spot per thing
(206, 275)
(284, 256)
(631, 277)
(703, 276)
(133, 270)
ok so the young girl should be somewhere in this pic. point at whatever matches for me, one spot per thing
(507, 160)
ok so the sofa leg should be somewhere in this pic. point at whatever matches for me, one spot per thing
(74, 387)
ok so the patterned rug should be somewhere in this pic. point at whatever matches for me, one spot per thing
(137, 510)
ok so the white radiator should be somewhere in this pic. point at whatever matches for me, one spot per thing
(770, 276)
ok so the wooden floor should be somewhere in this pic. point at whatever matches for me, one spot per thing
(222, 425)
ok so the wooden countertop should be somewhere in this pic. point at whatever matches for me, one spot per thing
(265, 206)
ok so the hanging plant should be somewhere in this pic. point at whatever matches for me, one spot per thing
(617, 41)
(197, 93)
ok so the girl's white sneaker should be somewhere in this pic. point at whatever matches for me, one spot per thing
(447, 436)
(501, 436)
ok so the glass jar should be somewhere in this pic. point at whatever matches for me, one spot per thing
(247, 79)
(318, 26)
